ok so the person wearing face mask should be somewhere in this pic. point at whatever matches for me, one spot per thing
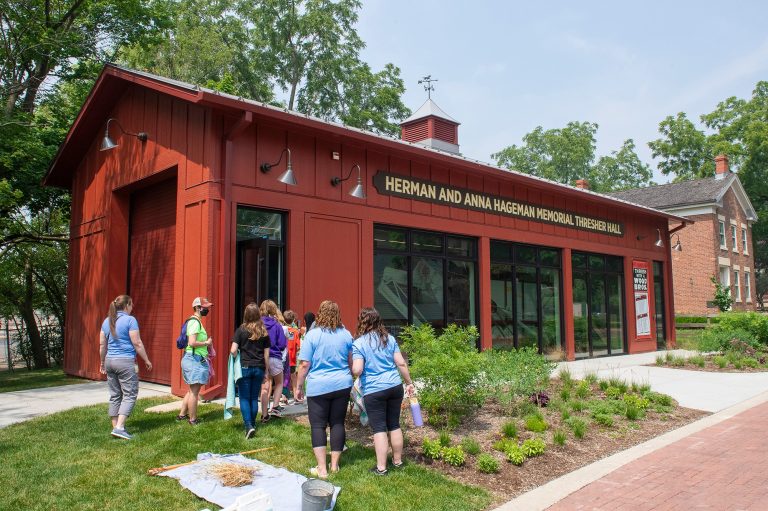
(194, 363)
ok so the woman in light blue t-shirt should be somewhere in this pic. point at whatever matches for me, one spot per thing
(380, 365)
(326, 360)
(119, 343)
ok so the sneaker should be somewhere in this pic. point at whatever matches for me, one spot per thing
(249, 434)
(276, 412)
(121, 433)
(194, 422)
(377, 472)
(398, 465)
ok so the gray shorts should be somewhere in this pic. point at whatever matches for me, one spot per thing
(275, 366)
(123, 383)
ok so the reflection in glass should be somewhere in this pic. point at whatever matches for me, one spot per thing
(275, 276)
(258, 224)
(461, 292)
(460, 247)
(598, 315)
(502, 311)
(390, 239)
(427, 242)
(596, 263)
(660, 306)
(549, 257)
(580, 315)
(550, 311)
(616, 312)
(427, 291)
(527, 309)
(501, 251)
(525, 254)
(390, 273)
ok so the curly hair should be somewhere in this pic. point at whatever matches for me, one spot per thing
(252, 322)
(328, 315)
(269, 308)
(369, 320)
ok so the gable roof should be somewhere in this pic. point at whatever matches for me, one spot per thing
(429, 108)
(114, 80)
(696, 192)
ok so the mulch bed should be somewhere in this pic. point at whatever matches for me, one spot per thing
(711, 367)
(485, 425)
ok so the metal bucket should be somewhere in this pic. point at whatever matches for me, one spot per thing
(316, 495)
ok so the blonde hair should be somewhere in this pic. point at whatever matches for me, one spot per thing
(118, 304)
(252, 322)
(269, 308)
(328, 315)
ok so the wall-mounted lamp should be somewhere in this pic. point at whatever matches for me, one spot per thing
(659, 241)
(107, 143)
(677, 247)
(286, 177)
(358, 191)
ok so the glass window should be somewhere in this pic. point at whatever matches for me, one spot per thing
(722, 234)
(580, 314)
(578, 260)
(389, 239)
(424, 277)
(660, 303)
(747, 287)
(736, 287)
(744, 247)
(259, 224)
(526, 308)
(596, 263)
(734, 245)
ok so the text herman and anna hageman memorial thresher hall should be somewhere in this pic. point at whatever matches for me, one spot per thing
(203, 193)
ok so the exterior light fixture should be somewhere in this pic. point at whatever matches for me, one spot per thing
(286, 177)
(107, 143)
(677, 247)
(659, 241)
(358, 191)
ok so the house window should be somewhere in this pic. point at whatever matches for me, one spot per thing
(734, 245)
(725, 277)
(722, 234)
(744, 241)
(747, 287)
(424, 277)
(736, 287)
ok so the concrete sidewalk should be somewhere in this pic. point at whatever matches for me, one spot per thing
(26, 404)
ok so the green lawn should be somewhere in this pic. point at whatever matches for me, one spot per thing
(688, 338)
(21, 379)
(69, 461)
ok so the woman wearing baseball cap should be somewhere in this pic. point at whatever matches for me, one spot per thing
(194, 363)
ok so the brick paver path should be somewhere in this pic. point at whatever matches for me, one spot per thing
(723, 467)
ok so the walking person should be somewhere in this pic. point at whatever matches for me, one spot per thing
(194, 363)
(273, 322)
(119, 343)
(326, 361)
(377, 360)
(252, 340)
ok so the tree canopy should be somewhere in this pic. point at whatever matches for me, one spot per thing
(567, 154)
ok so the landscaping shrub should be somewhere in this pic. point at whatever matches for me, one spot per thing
(578, 426)
(603, 419)
(583, 389)
(521, 372)
(633, 412)
(566, 378)
(559, 437)
(613, 392)
(449, 370)
(515, 455)
(503, 445)
(637, 401)
(578, 406)
(640, 388)
(697, 360)
(738, 364)
(719, 339)
(720, 361)
(487, 464)
(454, 456)
(533, 447)
(509, 430)
(754, 323)
(658, 398)
(444, 439)
(535, 423)
(659, 360)
(590, 378)
(470, 446)
(603, 384)
(539, 399)
(565, 414)
(619, 383)
(690, 319)
(431, 449)
(751, 362)
(565, 394)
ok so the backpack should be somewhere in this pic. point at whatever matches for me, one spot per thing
(181, 340)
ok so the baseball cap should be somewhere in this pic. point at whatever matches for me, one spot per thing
(201, 302)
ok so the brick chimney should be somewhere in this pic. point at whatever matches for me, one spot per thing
(431, 127)
(721, 166)
(582, 183)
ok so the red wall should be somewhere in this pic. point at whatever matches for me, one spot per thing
(216, 155)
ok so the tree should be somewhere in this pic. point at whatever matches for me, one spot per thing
(567, 154)
(684, 150)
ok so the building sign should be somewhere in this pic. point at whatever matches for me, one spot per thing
(447, 195)
(642, 310)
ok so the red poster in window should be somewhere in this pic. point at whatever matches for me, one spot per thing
(642, 306)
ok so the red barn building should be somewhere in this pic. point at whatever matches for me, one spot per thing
(184, 205)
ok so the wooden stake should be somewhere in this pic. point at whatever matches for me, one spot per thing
(159, 470)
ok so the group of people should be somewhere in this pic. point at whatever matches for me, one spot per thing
(318, 361)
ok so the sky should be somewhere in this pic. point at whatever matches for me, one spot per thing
(506, 67)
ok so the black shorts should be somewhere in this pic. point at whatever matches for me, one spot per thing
(383, 409)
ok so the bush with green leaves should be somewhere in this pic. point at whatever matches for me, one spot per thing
(444, 438)
(520, 372)
(565, 394)
(559, 437)
(613, 392)
(535, 423)
(583, 389)
(658, 398)
(533, 447)
(431, 449)
(578, 405)
(515, 455)
(720, 361)
(487, 464)
(697, 360)
(751, 362)
(509, 430)
(660, 360)
(754, 323)
(449, 369)
(565, 377)
(454, 456)
(633, 413)
(503, 444)
(470, 446)
(720, 339)
(603, 419)
(636, 400)
(603, 384)
(578, 426)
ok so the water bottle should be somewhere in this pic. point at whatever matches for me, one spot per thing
(416, 413)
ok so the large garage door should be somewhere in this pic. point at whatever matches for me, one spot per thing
(152, 249)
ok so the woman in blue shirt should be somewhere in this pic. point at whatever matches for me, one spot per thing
(119, 343)
(326, 360)
(377, 361)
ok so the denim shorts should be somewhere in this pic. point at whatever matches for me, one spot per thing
(194, 368)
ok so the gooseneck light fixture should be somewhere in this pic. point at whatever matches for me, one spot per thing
(286, 177)
(358, 191)
(659, 242)
(107, 143)
(677, 247)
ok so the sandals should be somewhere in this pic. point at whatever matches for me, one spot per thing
(182, 417)
(375, 471)
(265, 419)
(315, 472)
(398, 465)
(194, 422)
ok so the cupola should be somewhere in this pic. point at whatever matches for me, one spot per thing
(432, 127)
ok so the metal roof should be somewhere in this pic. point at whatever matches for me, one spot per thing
(429, 108)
